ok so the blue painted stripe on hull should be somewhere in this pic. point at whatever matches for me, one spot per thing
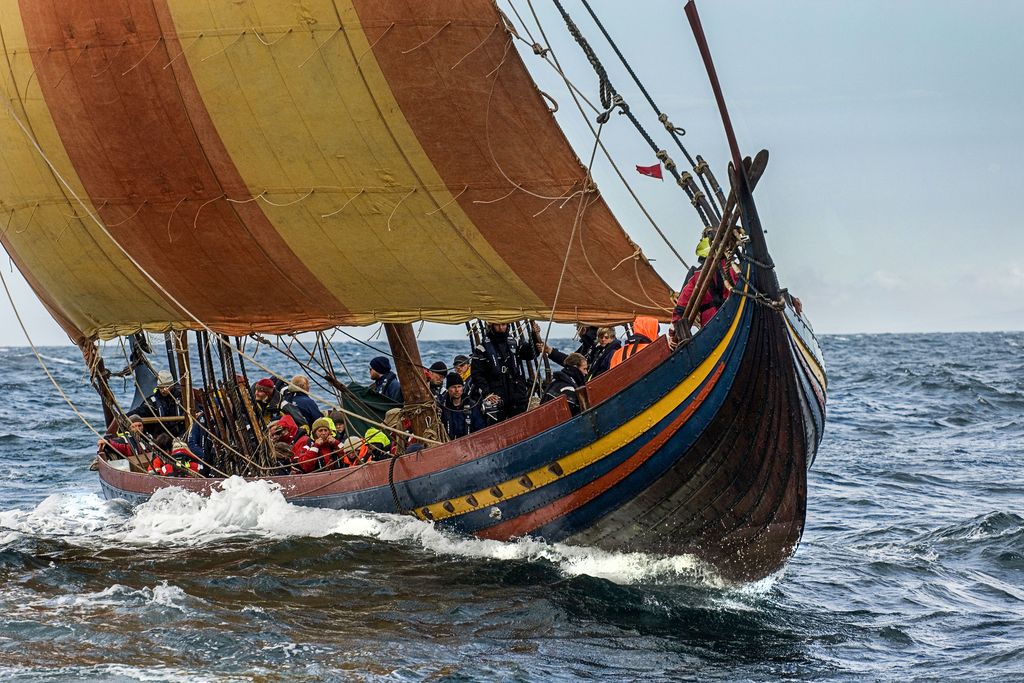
(571, 435)
(677, 447)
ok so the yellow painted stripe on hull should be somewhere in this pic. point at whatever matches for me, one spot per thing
(604, 446)
(812, 362)
(71, 258)
(296, 114)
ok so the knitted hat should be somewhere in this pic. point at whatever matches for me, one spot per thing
(180, 449)
(323, 422)
(454, 379)
(460, 359)
(439, 367)
(164, 380)
(266, 384)
(381, 364)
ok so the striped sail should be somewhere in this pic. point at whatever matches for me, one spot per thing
(276, 167)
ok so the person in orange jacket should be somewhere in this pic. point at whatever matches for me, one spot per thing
(645, 331)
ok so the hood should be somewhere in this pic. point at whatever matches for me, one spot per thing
(290, 428)
(647, 326)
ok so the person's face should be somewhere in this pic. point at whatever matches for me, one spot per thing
(605, 340)
(165, 391)
(434, 377)
(135, 428)
(323, 433)
(500, 328)
(455, 391)
(583, 367)
(261, 394)
(374, 375)
(462, 368)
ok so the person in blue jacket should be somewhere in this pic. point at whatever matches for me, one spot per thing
(385, 382)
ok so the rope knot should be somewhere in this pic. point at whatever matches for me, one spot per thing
(669, 126)
(540, 50)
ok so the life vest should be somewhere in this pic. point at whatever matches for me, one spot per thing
(186, 462)
(308, 457)
(160, 468)
(645, 330)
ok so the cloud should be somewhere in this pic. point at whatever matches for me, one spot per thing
(887, 280)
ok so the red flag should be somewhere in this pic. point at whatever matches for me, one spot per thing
(652, 171)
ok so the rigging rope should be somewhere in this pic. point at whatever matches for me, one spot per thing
(42, 364)
(142, 270)
(673, 131)
(577, 95)
(610, 99)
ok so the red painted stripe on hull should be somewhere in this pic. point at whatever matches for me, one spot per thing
(524, 524)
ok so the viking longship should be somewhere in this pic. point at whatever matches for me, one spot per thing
(233, 174)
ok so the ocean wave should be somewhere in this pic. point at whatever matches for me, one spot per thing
(175, 518)
(116, 595)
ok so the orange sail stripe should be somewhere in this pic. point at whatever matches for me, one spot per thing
(469, 99)
(149, 158)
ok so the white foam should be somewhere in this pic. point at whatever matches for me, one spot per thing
(163, 595)
(174, 517)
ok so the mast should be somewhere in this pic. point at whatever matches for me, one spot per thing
(409, 368)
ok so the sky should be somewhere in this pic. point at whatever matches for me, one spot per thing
(894, 128)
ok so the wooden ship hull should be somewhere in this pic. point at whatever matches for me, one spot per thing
(704, 450)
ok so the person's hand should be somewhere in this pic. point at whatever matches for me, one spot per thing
(535, 327)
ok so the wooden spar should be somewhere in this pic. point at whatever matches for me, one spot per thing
(765, 278)
(169, 346)
(409, 368)
(184, 374)
(94, 361)
(705, 53)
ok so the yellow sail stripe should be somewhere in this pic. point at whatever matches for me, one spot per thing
(588, 455)
(812, 361)
(80, 272)
(304, 111)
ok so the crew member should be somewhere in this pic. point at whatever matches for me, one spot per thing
(458, 416)
(645, 331)
(435, 380)
(498, 373)
(165, 402)
(567, 380)
(385, 382)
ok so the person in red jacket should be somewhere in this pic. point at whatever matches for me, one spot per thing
(718, 289)
(319, 451)
(126, 444)
(186, 464)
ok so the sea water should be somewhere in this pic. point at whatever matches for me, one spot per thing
(911, 566)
